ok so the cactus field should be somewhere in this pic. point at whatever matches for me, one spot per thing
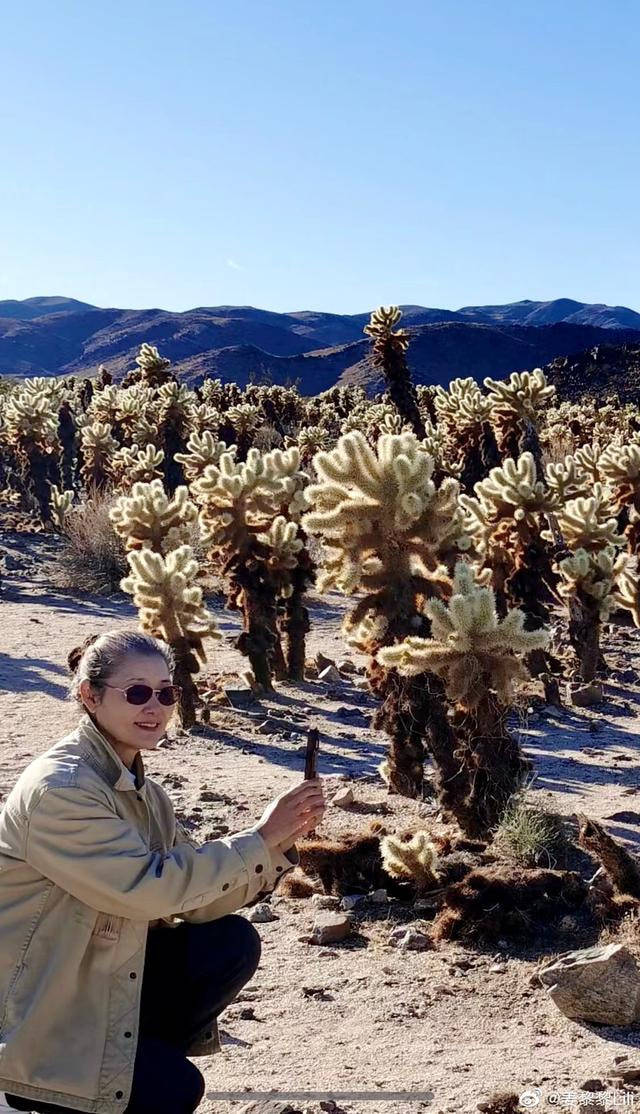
(443, 581)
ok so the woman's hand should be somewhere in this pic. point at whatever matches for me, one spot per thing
(292, 813)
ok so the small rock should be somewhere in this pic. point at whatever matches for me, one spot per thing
(619, 1059)
(410, 939)
(628, 676)
(261, 913)
(329, 927)
(346, 666)
(239, 698)
(498, 968)
(592, 1085)
(325, 901)
(584, 696)
(379, 895)
(330, 674)
(599, 984)
(321, 661)
(349, 901)
(343, 798)
(350, 713)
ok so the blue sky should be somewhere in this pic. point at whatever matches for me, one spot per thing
(294, 155)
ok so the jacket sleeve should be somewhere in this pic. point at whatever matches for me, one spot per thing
(79, 842)
(279, 863)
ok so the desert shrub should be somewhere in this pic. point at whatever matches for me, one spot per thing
(92, 557)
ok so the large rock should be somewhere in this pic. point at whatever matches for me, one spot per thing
(600, 984)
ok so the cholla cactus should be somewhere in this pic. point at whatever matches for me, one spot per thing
(153, 366)
(588, 523)
(97, 446)
(389, 532)
(389, 354)
(202, 450)
(587, 459)
(60, 506)
(310, 440)
(175, 406)
(30, 427)
(566, 479)
(505, 519)
(470, 445)
(479, 658)
(132, 465)
(470, 648)
(148, 518)
(239, 501)
(170, 606)
(627, 594)
(515, 408)
(588, 581)
(619, 467)
(413, 860)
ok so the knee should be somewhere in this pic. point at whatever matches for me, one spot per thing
(249, 943)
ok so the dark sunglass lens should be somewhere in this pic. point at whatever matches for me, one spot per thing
(139, 694)
(169, 694)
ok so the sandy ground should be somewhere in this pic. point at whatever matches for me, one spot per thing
(388, 1021)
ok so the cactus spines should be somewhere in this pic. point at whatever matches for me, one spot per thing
(98, 448)
(202, 449)
(588, 522)
(413, 860)
(389, 531)
(60, 506)
(389, 353)
(515, 406)
(588, 581)
(170, 606)
(470, 647)
(148, 518)
(479, 657)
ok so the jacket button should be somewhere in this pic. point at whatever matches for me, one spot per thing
(127, 1034)
(119, 1094)
(278, 868)
(225, 885)
(132, 975)
(259, 868)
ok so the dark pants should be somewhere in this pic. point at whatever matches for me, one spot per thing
(191, 973)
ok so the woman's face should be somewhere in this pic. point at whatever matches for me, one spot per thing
(139, 726)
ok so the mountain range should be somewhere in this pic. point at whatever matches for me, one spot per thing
(62, 336)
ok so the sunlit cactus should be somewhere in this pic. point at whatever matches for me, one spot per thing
(589, 522)
(60, 506)
(149, 518)
(132, 464)
(98, 447)
(202, 449)
(479, 658)
(170, 606)
(31, 429)
(389, 354)
(389, 532)
(414, 860)
(588, 583)
(517, 404)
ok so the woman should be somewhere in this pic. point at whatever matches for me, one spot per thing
(118, 943)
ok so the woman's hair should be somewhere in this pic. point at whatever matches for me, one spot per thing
(100, 655)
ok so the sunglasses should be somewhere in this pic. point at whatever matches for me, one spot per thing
(141, 694)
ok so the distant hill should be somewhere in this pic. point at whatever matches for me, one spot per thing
(61, 336)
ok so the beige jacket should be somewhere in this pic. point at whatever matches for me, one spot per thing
(87, 861)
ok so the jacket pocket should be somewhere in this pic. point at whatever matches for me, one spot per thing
(107, 927)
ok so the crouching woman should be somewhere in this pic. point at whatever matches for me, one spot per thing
(118, 940)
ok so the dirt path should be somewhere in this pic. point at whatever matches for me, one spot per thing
(388, 1021)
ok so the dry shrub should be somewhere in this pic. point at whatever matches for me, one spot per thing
(529, 835)
(92, 557)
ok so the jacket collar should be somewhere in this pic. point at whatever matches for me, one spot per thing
(100, 754)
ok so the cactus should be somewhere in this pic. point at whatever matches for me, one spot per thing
(98, 448)
(479, 657)
(516, 405)
(239, 501)
(170, 606)
(470, 446)
(31, 428)
(389, 354)
(202, 449)
(60, 506)
(148, 518)
(588, 581)
(390, 533)
(412, 860)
